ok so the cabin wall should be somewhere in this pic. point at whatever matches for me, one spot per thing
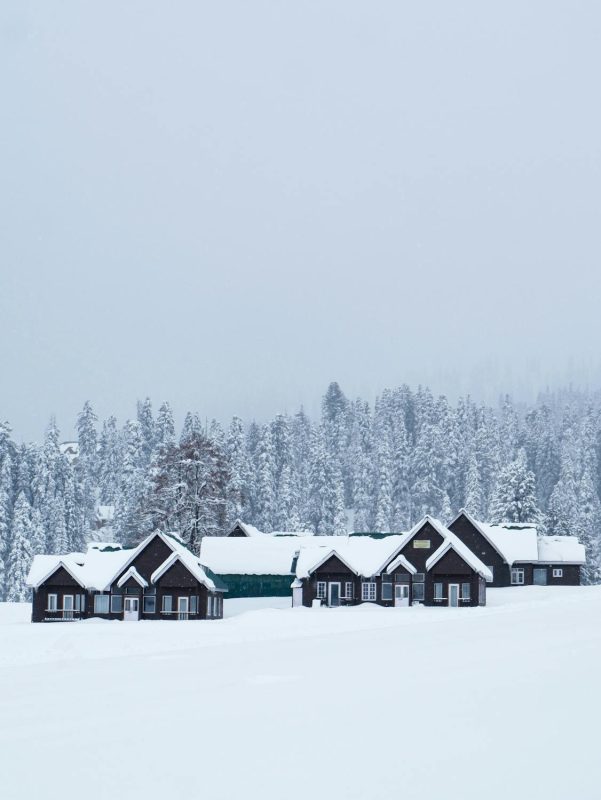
(481, 547)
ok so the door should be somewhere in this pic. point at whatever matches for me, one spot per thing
(453, 594)
(539, 576)
(401, 595)
(68, 606)
(297, 597)
(182, 608)
(334, 594)
(131, 609)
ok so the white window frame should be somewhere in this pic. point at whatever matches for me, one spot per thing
(441, 595)
(106, 597)
(163, 609)
(193, 597)
(558, 572)
(55, 596)
(469, 591)
(349, 590)
(322, 590)
(517, 572)
(368, 591)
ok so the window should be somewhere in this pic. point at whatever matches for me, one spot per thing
(419, 577)
(194, 605)
(438, 593)
(167, 603)
(116, 603)
(386, 587)
(421, 544)
(418, 591)
(558, 573)
(101, 604)
(465, 591)
(349, 590)
(52, 602)
(492, 572)
(482, 593)
(368, 591)
(539, 576)
(211, 606)
(132, 590)
(517, 576)
(83, 602)
(150, 604)
(78, 602)
(321, 590)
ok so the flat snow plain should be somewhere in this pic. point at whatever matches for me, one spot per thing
(280, 703)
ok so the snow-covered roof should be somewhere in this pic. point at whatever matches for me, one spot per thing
(255, 555)
(513, 541)
(363, 555)
(451, 542)
(132, 572)
(99, 568)
(400, 561)
(560, 550)
(251, 531)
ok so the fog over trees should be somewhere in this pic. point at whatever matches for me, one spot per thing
(356, 468)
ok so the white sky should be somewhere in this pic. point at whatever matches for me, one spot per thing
(231, 204)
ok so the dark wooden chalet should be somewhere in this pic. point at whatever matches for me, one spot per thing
(429, 566)
(158, 579)
(518, 556)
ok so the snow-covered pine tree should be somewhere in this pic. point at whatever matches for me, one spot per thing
(109, 463)
(192, 428)
(265, 483)
(147, 429)
(515, 496)
(473, 489)
(587, 526)
(165, 426)
(20, 555)
(238, 490)
(563, 503)
(85, 474)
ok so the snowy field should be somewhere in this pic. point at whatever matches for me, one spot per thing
(279, 703)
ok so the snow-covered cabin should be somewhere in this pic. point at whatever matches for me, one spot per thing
(428, 565)
(158, 579)
(517, 555)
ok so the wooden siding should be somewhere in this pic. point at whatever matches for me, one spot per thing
(481, 547)
(177, 581)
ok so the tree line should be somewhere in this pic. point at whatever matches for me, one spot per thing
(358, 467)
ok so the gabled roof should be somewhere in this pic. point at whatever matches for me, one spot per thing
(193, 566)
(330, 554)
(98, 569)
(132, 572)
(362, 555)
(400, 561)
(512, 542)
(46, 566)
(454, 543)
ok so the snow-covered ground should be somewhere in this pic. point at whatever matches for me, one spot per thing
(280, 703)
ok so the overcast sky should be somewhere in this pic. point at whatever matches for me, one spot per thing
(229, 204)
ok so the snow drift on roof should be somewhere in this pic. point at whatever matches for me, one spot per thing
(365, 556)
(560, 549)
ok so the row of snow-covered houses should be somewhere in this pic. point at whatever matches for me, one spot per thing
(432, 564)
